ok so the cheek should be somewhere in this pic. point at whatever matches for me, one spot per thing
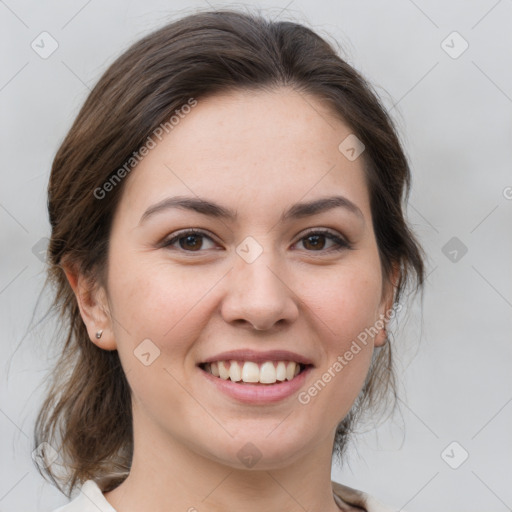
(158, 301)
(346, 302)
(156, 317)
(345, 309)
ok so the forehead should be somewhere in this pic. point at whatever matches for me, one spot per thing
(253, 150)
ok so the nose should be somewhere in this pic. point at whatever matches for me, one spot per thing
(258, 295)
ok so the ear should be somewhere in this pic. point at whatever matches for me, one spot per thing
(93, 304)
(388, 298)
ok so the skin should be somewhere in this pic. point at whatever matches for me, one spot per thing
(257, 153)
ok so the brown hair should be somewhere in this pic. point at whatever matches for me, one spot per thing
(87, 414)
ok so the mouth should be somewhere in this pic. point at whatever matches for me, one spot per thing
(252, 372)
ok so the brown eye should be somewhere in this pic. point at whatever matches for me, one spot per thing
(317, 240)
(189, 241)
(193, 242)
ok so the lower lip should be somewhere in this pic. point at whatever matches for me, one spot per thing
(258, 393)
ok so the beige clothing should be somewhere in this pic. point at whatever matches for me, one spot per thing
(91, 499)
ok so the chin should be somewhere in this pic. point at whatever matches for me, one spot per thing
(263, 450)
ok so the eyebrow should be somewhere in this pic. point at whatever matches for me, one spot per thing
(209, 208)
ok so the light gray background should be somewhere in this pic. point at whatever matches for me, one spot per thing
(454, 115)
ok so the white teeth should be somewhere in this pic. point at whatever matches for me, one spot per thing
(234, 371)
(268, 372)
(223, 371)
(250, 372)
(290, 370)
(281, 371)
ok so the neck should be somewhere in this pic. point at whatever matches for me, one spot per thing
(167, 476)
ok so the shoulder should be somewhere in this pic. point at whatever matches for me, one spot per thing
(352, 499)
(89, 499)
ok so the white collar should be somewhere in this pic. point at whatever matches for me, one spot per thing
(91, 499)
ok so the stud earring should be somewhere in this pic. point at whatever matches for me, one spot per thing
(98, 334)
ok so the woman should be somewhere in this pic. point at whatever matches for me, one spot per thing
(228, 246)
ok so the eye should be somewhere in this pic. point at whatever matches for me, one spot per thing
(315, 241)
(190, 240)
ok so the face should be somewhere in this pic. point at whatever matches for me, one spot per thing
(264, 280)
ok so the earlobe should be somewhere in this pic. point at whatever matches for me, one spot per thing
(389, 299)
(381, 338)
(93, 306)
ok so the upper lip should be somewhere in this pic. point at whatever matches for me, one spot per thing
(259, 356)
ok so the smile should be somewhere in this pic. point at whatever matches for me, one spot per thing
(267, 372)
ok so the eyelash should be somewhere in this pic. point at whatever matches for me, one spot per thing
(340, 242)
